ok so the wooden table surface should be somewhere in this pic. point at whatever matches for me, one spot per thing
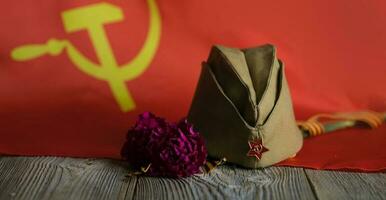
(75, 178)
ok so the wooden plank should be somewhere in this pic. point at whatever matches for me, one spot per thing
(63, 178)
(70, 178)
(230, 182)
(347, 185)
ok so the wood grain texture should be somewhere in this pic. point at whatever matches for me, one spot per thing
(75, 178)
(63, 178)
(230, 182)
(347, 185)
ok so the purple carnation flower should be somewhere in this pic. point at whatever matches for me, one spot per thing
(173, 150)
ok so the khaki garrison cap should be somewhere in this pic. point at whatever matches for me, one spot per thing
(243, 108)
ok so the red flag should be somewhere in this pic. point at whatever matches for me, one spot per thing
(74, 75)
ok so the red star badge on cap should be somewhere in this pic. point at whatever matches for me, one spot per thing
(256, 148)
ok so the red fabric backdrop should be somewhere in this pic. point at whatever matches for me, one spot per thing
(334, 53)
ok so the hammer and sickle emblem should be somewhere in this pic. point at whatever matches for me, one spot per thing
(92, 18)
